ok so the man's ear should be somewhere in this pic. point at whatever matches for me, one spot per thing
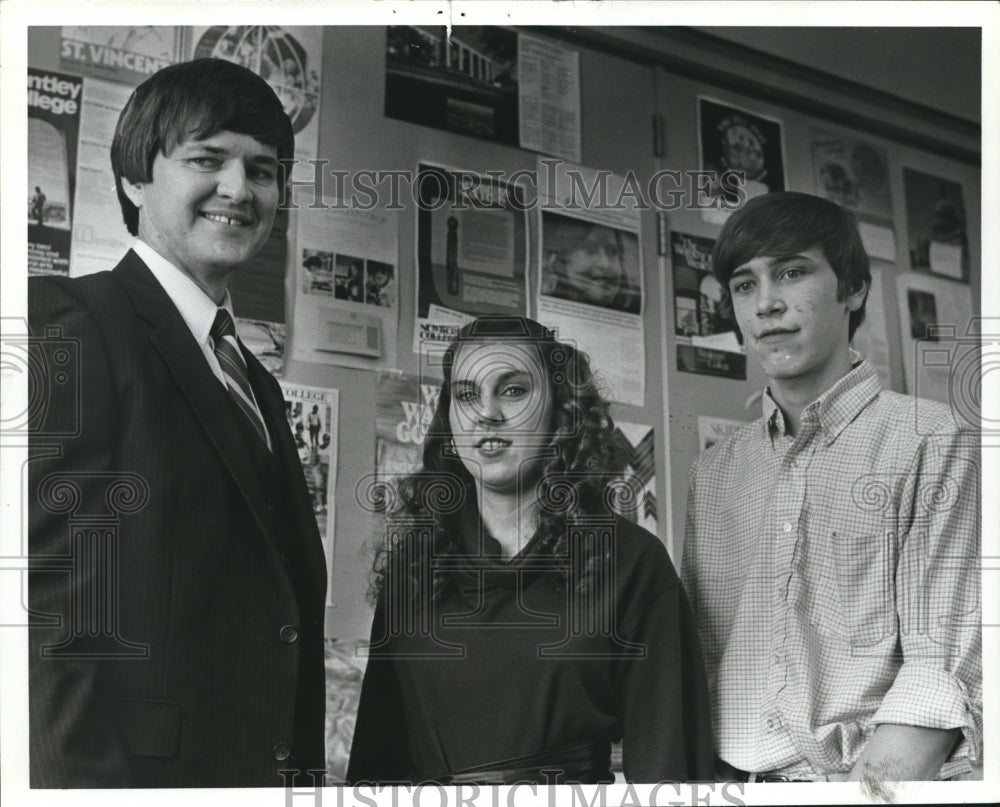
(857, 298)
(134, 191)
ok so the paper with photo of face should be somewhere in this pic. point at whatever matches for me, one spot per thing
(854, 173)
(590, 286)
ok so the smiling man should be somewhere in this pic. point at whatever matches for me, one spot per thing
(832, 547)
(185, 646)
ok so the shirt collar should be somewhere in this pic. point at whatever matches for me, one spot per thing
(196, 308)
(836, 407)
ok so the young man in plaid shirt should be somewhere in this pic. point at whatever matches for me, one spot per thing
(832, 546)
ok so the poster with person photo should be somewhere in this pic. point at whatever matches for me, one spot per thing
(855, 174)
(313, 418)
(346, 305)
(590, 263)
(54, 104)
(705, 337)
(935, 222)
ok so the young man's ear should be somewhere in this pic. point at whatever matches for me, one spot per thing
(856, 298)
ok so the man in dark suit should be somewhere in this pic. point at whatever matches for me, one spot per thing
(178, 579)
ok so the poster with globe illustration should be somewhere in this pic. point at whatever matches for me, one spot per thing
(289, 58)
(734, 139)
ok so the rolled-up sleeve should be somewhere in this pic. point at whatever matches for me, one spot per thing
(938, 590)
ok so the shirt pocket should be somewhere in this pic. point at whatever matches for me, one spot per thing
(866, 589)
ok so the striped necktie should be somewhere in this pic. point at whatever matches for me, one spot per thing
(234, 368)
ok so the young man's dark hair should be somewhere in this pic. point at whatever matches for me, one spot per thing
(192, 100)
(780, 225)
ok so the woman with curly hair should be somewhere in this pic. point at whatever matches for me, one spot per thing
(521, 626)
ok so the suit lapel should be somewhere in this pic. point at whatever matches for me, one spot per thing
(183, 357)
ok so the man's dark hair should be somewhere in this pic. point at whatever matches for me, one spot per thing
(779, 225)
(192, 100)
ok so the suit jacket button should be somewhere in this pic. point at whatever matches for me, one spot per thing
(288, 634)
(269, 503)
(282, 752)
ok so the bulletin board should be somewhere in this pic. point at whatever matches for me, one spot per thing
(645, 99)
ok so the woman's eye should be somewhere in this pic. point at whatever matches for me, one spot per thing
(513, 390)
(465, 396)
(742, 287)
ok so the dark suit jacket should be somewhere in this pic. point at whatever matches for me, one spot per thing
(177, 634)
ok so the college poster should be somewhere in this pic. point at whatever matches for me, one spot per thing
(706, 341)
(855, 174)
(126, 53)
(312, 415)
(734, 139)
(404, 408)
(100, 238)
(462, 79)
(472, 252)
(935, 222)
(54, 104)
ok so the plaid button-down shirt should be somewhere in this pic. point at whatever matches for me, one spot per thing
(835, 577)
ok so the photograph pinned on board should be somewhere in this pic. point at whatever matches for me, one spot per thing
(706, 338)
(935, 221)
(318, 272)
(461, 79)
(379, 283)
(590, 263)
(349, 278)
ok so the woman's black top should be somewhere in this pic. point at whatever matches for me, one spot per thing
(514, 660)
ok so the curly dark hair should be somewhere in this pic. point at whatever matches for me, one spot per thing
(581, 459)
